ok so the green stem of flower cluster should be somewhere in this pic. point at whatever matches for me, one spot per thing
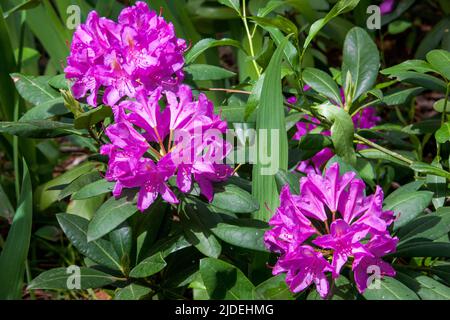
(382, 149)
(250, 38)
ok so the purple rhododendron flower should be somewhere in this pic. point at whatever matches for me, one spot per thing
(141, 51)
(165, 134)
(365, 119)
(331, 224)
(387, 6)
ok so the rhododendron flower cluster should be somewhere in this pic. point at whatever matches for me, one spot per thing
(160, 130)
(365, 119)
(331, 224)
(141, 51)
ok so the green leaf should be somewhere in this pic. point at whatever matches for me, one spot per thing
(425, 287)
(407, 206)
(323, 83)
(443, 134)
(122, 241)
(342, 131)
(279, 22)
(198, 232)
(224, 281)
(7, 65)
(94, 189)
(59, 82)
(206, 44)
(270, 117)
(430, 169)
(78, 183)
(424, 80)
(92, 117)
(409, 65)
(48, 193)
(6, 209)
(423, 249)
(438, 185)
(379, 155)
(56, 279)
(149, 266)
(15, 250)
(428, 227)
(46, 110)
(309, 145)
(199, 72)
(401, 97)
(111, 214)
(362, 60)
(340, 7)
(274, 288)
(292, 179)
(440, 61)
(132, 292)
(35, 90)
(241, 236)
(233, 4)
(37, 129)
(234, 199)
(100, 251)
(399, 26)
(439, 106)
(390, 289)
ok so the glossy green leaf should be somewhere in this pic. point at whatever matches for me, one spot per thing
(342, 131)
(224, 281)
(38, 129)
(233, 4)
(149, 266)
(200, 72)
(232, 198)
(92, 117)
(428, 227)
(100, 251)
(132, 292)
(241, 236)
(94, 189)
(7, 65)
(430, 169)
(362, 60)
(423, 249)
(440, 61)
(407, 206)
(206, 44)
(440, 105)
(35, 90)
(111, 214)
(323, 83)
(425, 287)
(340, 7)
(401, 97)
(46, 110)
(198, 233)
(78, 183)
(62, 278)
(274, 288)
(390, 289)
(292, 179)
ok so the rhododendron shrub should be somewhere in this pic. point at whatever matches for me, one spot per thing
(232, 149)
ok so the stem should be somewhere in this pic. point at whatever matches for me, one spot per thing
(382, 149)
(29, 278)
(249, 36)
